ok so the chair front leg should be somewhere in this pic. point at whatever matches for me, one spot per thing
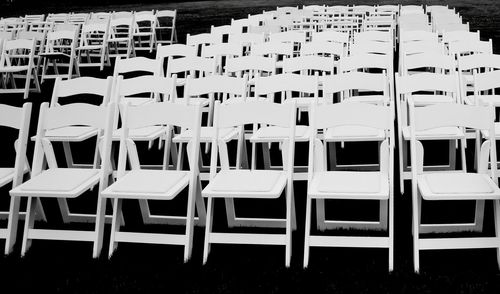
(208, 229)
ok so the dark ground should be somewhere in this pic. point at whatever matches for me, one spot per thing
(67, 267)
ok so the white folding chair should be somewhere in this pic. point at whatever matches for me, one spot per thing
(93, 48)
(120, 40)
(60, 50)
(19, 119)
(143, 184)
(460, 186)
(426, 89)
(165, 30)
(253, 183)
(66, 183)
(144, 31)
(17, 61)
(326, 184)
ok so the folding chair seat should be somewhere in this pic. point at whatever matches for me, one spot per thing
(66, 183)
(120, 41)
(93, 49)
(17, 61)
(144, 30)
(324, 184)
(144, 184)
(60, 50)
(480, 186)
(19, 119)
(165, 30)
(426, 89)
(230, 184)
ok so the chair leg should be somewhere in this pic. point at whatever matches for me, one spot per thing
(320, 215)
(192, 195)
(115, 226)
(496, 211)
(27, 84)
(416, 240)
(12, 224)
(288, 245)
(99, 226)
(29, 222)
(479, 216)
(401, 167)
(208, 229)
(200, 205)
(391, 233)
(307, 231)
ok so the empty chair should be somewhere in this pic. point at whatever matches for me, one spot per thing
(17, 61)
(144, 31)
(426, 89)
(60, 52)
(93, 49)
(461, 186)
(120, 40)
(143, 184)
(165, 30)
(324, 184)
(254, 183)
(65, 183)
(19, 119)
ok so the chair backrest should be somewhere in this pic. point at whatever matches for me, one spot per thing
(285, 84)
(61, 41)
(418, 35)
(371, 47)
(478, 117)
(253, 113)
(17, 118)
(74, 114)
(409, 84)
(486, 81)
(326, 48)
(152, 85)
(273, 49)
(10, 55)
(437, 62)
(82, 85)
(373, 36)
(216, 84)
(194, 66)
(365, 115)
(365, 61)
(247, 39)
(309, 65)
(136, 64)
(345, 82)
(94, 34)
(331, 36)
(172, 114)
(470, 47)
(251, 65)
(289, 37)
